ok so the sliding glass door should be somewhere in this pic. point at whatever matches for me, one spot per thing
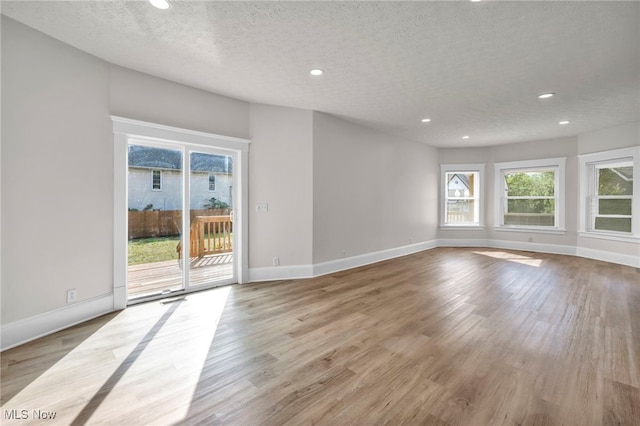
(180, 225)
(211, 216)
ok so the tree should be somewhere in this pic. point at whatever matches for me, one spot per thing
(531, 184)
(214, 203)
(614, 182)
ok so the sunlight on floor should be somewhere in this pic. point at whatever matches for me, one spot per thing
(115, 366)
(512, 257)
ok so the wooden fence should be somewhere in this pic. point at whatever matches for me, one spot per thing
(148, 224)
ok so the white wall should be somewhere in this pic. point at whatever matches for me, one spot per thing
(623, 136)
(57, 171)
(280, 175)
(372, 191)
(143, 97)
(57, 174)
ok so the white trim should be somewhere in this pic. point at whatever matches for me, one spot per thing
(309, 271)
(153, 171)
(453, 168)
(461, 228)
(120, 220)
(535, 247)
(587, 189)
(610, 236)
(369, 258)
(23, 331)
(146, 130)
(133, 131)
(241, 233)
(276, 273)
(509, 245)
(609, 256)
(614, 154)
(558, 163)
(533, 230)
(454, 242)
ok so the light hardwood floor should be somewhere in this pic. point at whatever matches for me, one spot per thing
(446, 336)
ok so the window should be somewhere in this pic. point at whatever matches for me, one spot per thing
(530, 195)
(609, 195)
(212, 182)
(156, 180)
(461, 195)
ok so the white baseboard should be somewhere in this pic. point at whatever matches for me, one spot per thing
(509, 245)
(455, 242)
(535, 247)
(608, 256)
(22, 331)
(276, 273)
(318, 269)
(366, 259)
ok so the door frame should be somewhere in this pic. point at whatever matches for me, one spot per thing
(126, 130)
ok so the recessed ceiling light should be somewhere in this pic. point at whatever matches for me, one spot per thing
(564, 122)
(475, 1)
(160, 4)
(465, 137)
(545, 95)
(316, 71)
(426, 120)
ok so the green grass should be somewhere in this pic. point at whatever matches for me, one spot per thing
(149, 250)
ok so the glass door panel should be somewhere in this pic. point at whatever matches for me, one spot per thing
(155, 201)
(211, 216)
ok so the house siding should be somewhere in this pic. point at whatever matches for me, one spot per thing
(170, 196)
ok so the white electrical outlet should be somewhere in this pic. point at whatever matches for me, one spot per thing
(343, 253)
(71, 295)
(276, 261)
(262, 207)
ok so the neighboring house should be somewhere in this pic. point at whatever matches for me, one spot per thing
(155, 178)
(458, 185)
(458, 210)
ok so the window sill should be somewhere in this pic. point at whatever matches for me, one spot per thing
(556, 231)
(611, 237)
(461, 228)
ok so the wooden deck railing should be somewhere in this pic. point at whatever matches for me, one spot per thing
(209, 235)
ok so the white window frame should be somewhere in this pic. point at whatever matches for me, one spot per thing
(126, 130)
(153, 171)
(214, 182)
(558, 165)
(588, 165)
(479, 197)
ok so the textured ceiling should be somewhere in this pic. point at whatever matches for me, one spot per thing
(473, 68)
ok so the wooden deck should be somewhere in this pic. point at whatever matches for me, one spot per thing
(154, 277)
